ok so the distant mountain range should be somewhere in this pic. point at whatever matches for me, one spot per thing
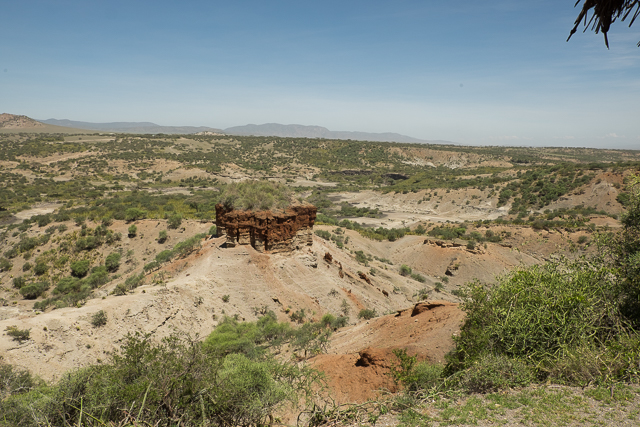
(301, 131)
(267, 129)
(130, 127)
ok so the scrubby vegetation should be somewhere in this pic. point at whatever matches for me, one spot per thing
(571, 322)
(256, 195)
(230, 378)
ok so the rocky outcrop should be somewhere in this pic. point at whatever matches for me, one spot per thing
(267, 231)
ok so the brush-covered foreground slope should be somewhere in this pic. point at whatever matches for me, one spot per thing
(191, 294)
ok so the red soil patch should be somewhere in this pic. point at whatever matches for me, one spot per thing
(362, 355)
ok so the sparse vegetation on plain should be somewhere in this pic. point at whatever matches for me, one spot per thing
(80, 196)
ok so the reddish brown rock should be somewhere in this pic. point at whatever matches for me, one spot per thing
(267, 231)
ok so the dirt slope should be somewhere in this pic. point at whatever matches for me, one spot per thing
(358, 361)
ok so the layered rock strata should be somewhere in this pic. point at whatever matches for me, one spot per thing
(267, 231)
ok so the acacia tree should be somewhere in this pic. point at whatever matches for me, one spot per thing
(605, 13)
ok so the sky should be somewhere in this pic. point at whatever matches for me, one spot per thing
(470, 72)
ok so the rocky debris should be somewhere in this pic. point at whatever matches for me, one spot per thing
(364, 277)
(373, 357)
(267, 231)
(452, 269)
(445, 243)
(310, 260)
(421, 307)
(328, 257)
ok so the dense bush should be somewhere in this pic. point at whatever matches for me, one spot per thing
(174, 221)
(80, 268)
(99, 318)
(367, 313)
(177, 381)
(324, 234)
(34, 290)
(19, 335)
(112, 262)
(405, 270)
(5, 264)
(40, 269)
(256, 195)
(133, 214)
(14, 381)
(19, 282)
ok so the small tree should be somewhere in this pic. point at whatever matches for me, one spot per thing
(367, 313)
(162, 236)
(99, 319)
(80, 268)
(133, 230)
(133, 214)
(112, 262)
(174, 221)
(405, 270)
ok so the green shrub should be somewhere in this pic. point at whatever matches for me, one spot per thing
(134, 281)
(164, 256)
(176, 379)
(120, 289)
(333, 322)
(80, 268)
(256, 195)
(367, 314)
(540, 314)
(98, 277)
(14, 381)
(174, 221)
(405, 270)
(67, 285)
(412, 375)
(26, 266)
(492, 373)
(151, 266)
(362, 258)
(33, 290)
(133, 214)
(162, 236)
(99, 319)
(5, 264)
(40, 269)
(213, 230)
(324, 234)
(132, 231)
(19, 282)
(19, 335)
(418, 277)
(112, 262)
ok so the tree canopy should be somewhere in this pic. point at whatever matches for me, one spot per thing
(605, 13)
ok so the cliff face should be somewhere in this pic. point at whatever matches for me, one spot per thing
(267, 231)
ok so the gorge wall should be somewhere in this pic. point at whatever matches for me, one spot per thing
(267, 231)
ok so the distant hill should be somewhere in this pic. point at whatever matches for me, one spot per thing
(301, 131)
(267, 129)
(131, 127)
(13, 123)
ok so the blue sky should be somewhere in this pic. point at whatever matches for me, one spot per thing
(481, 73)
